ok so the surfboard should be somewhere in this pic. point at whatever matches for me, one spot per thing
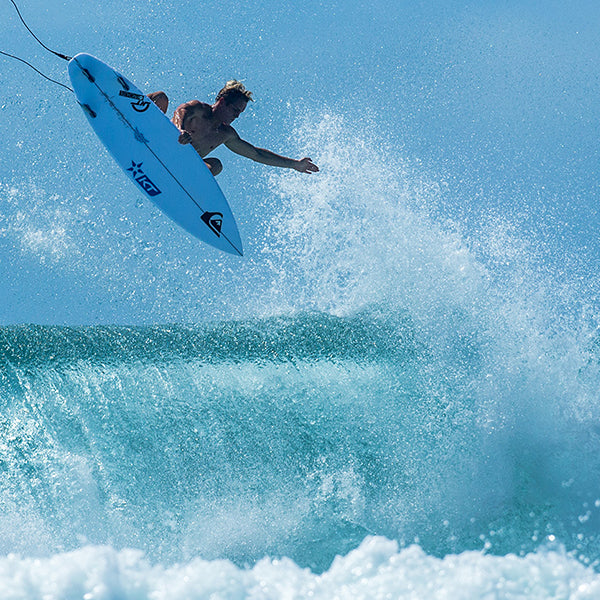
(144, 143)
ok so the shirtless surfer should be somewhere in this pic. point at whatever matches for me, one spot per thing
(206, 126)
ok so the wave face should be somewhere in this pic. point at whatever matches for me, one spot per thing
(291, 436)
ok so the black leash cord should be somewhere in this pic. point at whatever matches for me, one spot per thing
(36, 70)
(63, 56)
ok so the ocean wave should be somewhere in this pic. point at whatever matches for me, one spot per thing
(291, 436)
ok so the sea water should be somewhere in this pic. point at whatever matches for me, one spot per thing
(394, 394)
(394, 409)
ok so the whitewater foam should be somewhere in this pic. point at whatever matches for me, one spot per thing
(375, 570)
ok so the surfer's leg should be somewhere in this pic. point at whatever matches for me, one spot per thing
(214, 164)
(160, 99)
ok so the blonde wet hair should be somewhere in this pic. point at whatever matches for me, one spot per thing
(233, 90)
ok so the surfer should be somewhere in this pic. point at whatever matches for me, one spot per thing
(207, 126)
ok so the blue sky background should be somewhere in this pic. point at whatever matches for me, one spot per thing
(487, 111)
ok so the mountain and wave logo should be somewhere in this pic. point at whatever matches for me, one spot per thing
(214, 220)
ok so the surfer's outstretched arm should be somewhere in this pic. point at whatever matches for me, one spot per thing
(236, 144)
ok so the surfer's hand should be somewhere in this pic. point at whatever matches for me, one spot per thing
(185, 137)
(306, 165)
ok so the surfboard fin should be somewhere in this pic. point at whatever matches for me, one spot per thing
(88, 75)
(88, 110)
(123, 83)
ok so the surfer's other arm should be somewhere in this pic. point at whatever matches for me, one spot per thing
(206, 127)
(236, 144)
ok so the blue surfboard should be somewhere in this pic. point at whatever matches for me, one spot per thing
(144, 143)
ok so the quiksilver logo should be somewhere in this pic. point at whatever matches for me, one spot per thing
(143, 180)
(214, 220)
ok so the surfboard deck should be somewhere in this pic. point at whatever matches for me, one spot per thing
(144, 143)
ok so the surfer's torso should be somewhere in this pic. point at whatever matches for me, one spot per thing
(206, 129)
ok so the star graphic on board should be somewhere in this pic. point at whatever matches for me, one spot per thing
(136, 168)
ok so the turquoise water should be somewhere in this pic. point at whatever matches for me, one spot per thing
(298, 438)
(393, 394)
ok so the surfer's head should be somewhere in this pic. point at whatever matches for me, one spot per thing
(234, 90)
(231, 101)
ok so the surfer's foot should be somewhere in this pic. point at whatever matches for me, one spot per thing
(214, 164)
(160, 99)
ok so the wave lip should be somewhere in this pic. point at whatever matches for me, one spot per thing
(306, 336)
